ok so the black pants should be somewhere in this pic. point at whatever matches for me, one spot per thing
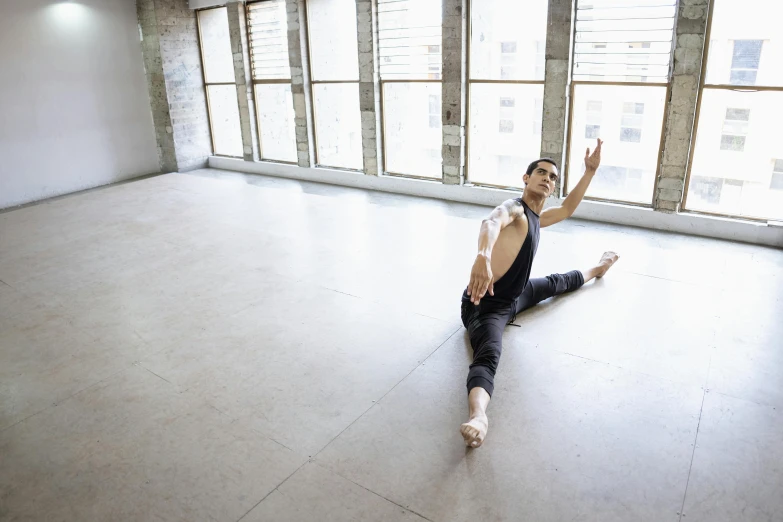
(485, 323)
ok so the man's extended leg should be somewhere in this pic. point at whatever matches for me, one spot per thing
(485, 329)
(542, 288)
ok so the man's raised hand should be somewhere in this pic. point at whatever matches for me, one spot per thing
(592, 161)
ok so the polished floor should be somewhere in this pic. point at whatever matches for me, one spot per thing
(214, 346)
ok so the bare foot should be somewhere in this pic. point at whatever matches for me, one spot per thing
(474, 431)
(606, 262)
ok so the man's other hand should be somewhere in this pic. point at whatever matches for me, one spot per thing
(480, 279)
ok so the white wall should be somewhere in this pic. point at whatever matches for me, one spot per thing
(74, 105)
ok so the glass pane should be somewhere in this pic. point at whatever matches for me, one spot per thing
(738, 152)
(224, 117)
(623, 43)
(745, 48)
(409, 39)
(216, 45)
(507, 39)
(412, 131)
(629, 122)
(268, 34)
(338, 125)
(331, 26)
(505, 132)
(276, 128)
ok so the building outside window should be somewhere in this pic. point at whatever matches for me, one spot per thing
(622, 54)
(507, 42)
(409, 46)
(737, 142)
(219, 80)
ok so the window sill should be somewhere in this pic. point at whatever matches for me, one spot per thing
(608, 212)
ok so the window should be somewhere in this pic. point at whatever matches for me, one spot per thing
(506, 112)
(737, 137)
(219, 81)
(776, 183)
(631, 124)
(735, 128)
(334, 73)
(507, 43)
(409, 45)
(268, 39)
(626, 47)
(745, 62)
(435, 115)
(593, 119)
(508, 47)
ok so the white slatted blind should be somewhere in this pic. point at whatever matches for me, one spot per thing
(409, 39)
(624, 40)
(268, 35)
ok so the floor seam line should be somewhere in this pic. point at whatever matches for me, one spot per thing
(637, 372)
(693, 455)
(275, 489)
(159, 377)
(387, 393)
(378, 494)
(54, 404)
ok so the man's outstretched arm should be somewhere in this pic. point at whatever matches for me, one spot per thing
(554, 215)
(481, 273)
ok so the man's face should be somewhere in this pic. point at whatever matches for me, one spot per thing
(542, 180)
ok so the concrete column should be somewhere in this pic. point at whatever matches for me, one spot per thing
(156, 84)
(691, 26)
(367, 94)
(172, 61)
(558, 49)
(297, 81)
(453, 94)
(237, 26)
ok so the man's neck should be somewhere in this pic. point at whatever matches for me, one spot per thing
(533, 202)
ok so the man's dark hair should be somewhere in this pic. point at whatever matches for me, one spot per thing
(532, 166)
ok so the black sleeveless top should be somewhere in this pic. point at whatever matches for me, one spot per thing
(513, 282)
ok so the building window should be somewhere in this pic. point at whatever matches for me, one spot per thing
(593, 119)
(632, 122)
(622, 53)
(334, 72)
(735, 129)
(505, 83)
(268, 35)
(730, 148)
(538, 116)
(409, 45)
(434, 106)
(506, 114)
(218, 64)
(745, 62)
(592, 131)
(776, 183)
(508, 47)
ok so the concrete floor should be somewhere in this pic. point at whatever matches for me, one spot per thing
(223, 347)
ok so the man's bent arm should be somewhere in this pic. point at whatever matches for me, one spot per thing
(481, 273)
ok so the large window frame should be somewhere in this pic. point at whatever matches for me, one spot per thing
(383, 82)
(208, 84)
(469, 82)
(567, 171)
(265, 81)
(703, 85)
(313, 82)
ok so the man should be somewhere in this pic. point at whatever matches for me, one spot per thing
(500, 286)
